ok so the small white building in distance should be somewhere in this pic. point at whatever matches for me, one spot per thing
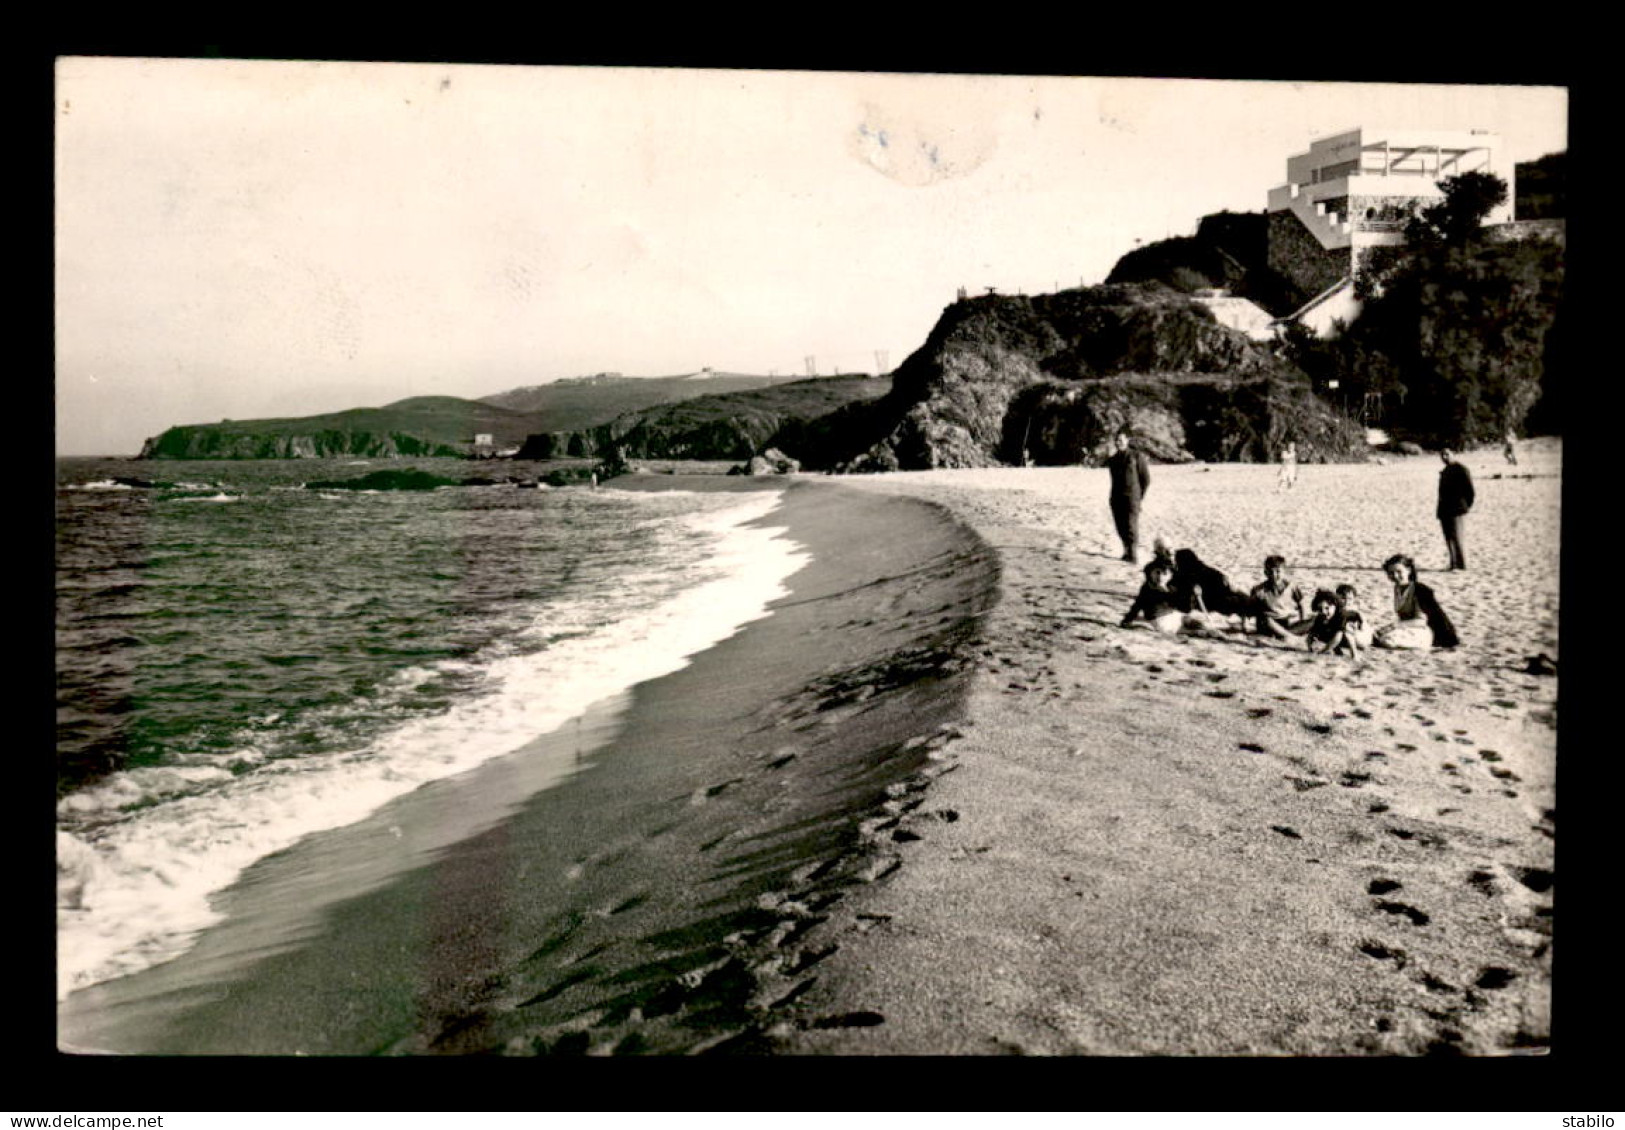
(1354, 191)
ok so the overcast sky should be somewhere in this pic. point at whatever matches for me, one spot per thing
(238, 239)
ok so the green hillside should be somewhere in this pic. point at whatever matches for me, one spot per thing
(577, 403)
(444, 425)
(1229, 250)
(420, 425)
(732, 425)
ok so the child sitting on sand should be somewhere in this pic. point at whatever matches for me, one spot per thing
(1158, 603)
(1327, 627)
(1274, 601)
(1354, 625)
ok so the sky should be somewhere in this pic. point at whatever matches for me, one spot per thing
(239, 239)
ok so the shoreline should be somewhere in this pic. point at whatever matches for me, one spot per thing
(655, 901)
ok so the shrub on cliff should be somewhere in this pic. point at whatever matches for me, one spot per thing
(1229, 249)
(1456, 340)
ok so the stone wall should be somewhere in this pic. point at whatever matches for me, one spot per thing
(1297, 254)
(1383, 209)
(1553, 229)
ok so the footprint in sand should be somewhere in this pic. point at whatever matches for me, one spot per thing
(1435, 985)
(1285, 831)
(1417, 917)
(1383, 886)
(1250, 747)
(701, 795)
(863, 1019)
(1384, 953)
(1352, 780)
(1537, 879)
(1259, 712)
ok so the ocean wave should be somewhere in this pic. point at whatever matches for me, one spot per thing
(99, 484)
(147, 849)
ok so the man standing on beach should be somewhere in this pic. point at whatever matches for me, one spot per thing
(1455, 499)
(1131, 478)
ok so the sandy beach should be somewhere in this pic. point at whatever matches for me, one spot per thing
(940, 803)
(1223, 846)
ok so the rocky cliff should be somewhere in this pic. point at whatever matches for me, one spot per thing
(205, 442)
(419, 425)
(1048, 379)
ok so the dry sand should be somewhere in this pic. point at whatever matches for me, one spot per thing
(1224, 846)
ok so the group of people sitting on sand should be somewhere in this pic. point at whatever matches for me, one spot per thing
(1183, 593)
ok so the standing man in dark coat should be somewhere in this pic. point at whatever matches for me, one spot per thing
(1455, 499)
(1131, 478)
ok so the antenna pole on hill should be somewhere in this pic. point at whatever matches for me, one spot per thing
(881, 357)
(812, 365)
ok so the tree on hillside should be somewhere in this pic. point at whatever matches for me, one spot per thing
(1463, 328)
(1457, 217)
(1543, 188)
(1453, 329)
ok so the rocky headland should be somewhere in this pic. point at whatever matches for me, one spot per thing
(1047, 379)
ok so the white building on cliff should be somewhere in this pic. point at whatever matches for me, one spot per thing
(1352, 192)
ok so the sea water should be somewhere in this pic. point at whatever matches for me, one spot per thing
(243, 662)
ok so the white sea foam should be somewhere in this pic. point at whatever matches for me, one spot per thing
(137, 891)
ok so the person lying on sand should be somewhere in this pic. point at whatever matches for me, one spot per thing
(1208, 589)
(1421, 621)
(1327, 626)
(1161, 607)
(1276, 600)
